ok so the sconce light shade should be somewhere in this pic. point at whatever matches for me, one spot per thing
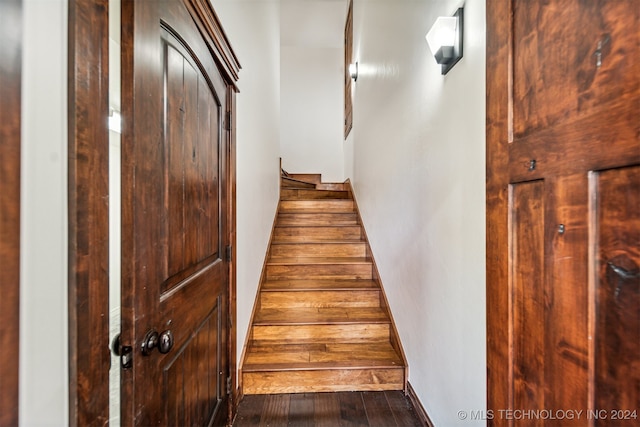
(445, 40)
(353, 71)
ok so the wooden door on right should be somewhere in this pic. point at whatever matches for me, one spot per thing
(563, 212)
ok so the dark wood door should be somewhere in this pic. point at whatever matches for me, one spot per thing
(10, 120)
(175, 223)
(563, 212)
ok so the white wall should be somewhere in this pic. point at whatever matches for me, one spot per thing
(312, 69)
(419, 176)
(253, 29)
(44, 371)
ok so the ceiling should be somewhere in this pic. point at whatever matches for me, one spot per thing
(313, 23)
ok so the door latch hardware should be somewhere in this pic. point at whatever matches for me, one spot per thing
(124, 351)
(229, 253)
(561, 229)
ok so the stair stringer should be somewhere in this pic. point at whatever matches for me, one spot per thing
(256, 302)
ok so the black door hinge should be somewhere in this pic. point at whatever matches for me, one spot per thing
(229, 385)
(229, 253)
(227, 124)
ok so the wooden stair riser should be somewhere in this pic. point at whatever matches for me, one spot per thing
(356, 298)
(316, 206)
(295, 184)
(374, 379)
(333, 186)
(314, 178)
(303, 194)
(319, 271)
(307, 334)
(319, 285)
(318, 233)
(317, 356)
(310, 250)
(317, 219)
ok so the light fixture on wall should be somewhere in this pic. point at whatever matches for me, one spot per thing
(445, 40)
(353, 71)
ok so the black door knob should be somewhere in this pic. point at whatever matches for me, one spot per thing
(149, 342)
(166, 342)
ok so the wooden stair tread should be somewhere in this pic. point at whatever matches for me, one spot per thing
(320, 316)
(321, 356)
(317, 285)
(318, 260)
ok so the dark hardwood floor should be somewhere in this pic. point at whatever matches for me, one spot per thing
(381, 409)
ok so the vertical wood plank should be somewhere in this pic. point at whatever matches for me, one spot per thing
(617, 298)
(352, 412)
(190, 166)
(378, 411)
(10, 128)
(88, 162)
(402, 409)
(174, 149)
(276, 410)
(250, 410)
(566, 293)
(527, 242)
(301, 410)
(173, 392)
(499, 122)
(348, 82)
(327, 410)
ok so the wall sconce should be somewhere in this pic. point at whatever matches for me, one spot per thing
(445, 40)
(353, 71)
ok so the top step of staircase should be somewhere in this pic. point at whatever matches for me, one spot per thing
(309, 181)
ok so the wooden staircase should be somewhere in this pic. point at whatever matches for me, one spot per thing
(320, 322)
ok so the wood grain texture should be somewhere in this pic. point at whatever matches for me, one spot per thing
(563, 98)
(319, 322)
(88, 163)
(319, 249)
(178, 212)
(317, 233)
(320, 299)
(316, 219)
(346, 409)
(335, 333)
(348, 81)
(498, 133)
(527, 219)
(296, 194)
(317, 205)
(617, 295)
(10, 149)
(326, 380)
